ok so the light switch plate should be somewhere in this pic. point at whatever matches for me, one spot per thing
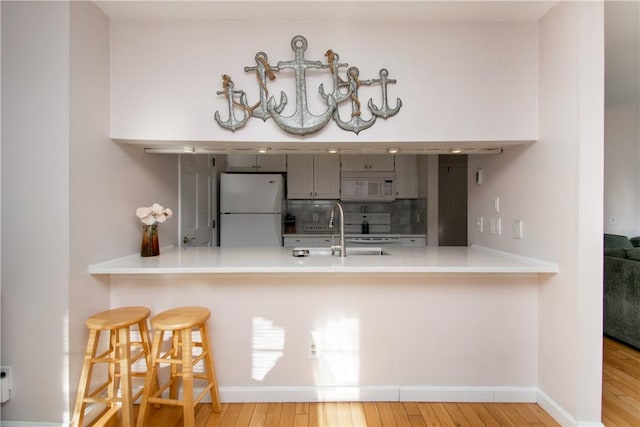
(495, 205)
(479, 224)
(496, 226)
(517, 229)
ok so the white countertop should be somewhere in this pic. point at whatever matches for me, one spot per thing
(205, 260)
(351, 235)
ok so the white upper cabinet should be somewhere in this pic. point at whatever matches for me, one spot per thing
(256, 163)
(367, 162)
(326, 176)
(300, 176)
(406, 181)
(313, 176)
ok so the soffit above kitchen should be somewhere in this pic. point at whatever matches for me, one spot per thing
(460, 93)
(353, 10)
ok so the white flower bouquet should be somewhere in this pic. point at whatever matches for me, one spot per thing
(154, 214)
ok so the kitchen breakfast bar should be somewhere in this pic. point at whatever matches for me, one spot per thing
(399, 326)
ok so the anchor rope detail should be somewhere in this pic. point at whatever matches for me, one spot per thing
(226, 81)
(331, 59)
(354, 95)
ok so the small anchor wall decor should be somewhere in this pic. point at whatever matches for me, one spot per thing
(302, 121)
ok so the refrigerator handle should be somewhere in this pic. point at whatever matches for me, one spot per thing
(278, 223)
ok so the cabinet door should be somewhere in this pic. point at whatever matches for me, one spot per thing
(300, 176)
(326, 176)
(406, 176)
(354, 162)
(367, 163)
(380, 162)
(241, 163)
(307, 242)
(413, 241)
(271, 163)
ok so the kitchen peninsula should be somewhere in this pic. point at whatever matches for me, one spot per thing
(388, 327)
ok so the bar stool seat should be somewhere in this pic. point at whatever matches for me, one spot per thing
(116, 391)
(180, 322)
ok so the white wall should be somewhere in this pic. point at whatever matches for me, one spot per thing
(622, 175)
(555, 187)
(107, 181)
(375, 332)
(35, 206)
(69, 197)
(457, 81)
(622, 119)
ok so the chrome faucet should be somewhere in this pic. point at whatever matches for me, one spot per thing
(341, 247)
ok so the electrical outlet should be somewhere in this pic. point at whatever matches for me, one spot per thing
(315, 217)
(5, 383)
(313, 353)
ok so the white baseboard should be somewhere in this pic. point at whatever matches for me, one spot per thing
(309, 394)
(379, 393)
(30, 424)
(468, 394)
(559, 414)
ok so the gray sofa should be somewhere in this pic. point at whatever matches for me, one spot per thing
(622, 288)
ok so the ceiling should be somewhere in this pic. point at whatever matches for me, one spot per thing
(303, 10)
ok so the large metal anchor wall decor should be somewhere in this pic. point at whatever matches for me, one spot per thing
(302, 121)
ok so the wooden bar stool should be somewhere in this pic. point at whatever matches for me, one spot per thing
(180, 322)
(116, 391)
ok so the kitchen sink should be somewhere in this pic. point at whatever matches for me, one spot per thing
(356, 251)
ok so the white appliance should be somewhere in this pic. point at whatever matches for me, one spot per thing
(250, 209)
(367, 187)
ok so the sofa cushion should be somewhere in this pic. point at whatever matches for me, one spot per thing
(633, 253)
(635, 241)
(617, 252)
(616, 241)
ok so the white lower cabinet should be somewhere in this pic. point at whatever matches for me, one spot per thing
(307, 241)
(413, 241)
(325, 241)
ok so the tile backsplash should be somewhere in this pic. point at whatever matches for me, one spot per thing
(406, 216)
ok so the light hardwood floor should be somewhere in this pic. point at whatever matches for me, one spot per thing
(620, 407)
(621, 385)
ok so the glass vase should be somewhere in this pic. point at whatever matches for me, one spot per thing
(150, 246)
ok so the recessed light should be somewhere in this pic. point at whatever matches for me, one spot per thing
(392, 150)
(188, 149)
(456, 150)
(262, 150)
(332, 150)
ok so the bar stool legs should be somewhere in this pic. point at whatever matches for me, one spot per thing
(116, 391)
(181, 358)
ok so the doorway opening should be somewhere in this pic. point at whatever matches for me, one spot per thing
(452, 200)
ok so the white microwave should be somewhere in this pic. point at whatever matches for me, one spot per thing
(367, 187)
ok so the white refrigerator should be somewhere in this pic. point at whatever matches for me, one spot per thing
(250, 209)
